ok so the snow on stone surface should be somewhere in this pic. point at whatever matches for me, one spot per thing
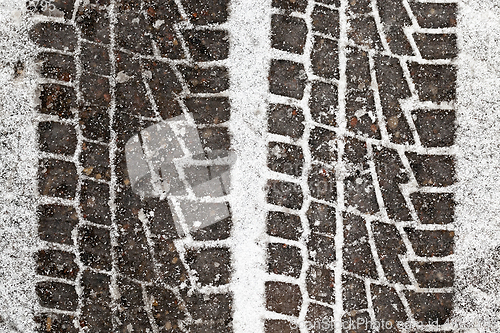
(478, 192)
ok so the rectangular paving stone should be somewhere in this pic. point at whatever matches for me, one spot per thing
(57, 100)
(326, 21)
(57, 138)
(277, 291)
(56, 223)
(57, 178)
(56, 322)
(93, 23)
(286, 78)
(57, 295)
(288, 33)
(95, 247)
(284, 225)
(55, 263)
(284, 259)
(325, 59)
(207, 45)
(57, 66)
(284, 194)
(285, 120)
(54, 35)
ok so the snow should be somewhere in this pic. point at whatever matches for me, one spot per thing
(478, 166)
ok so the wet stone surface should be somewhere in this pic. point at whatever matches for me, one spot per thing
(379, 136)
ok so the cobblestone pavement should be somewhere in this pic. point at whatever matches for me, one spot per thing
(360, 156)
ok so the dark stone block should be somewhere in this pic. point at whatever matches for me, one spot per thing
(287, 78)
(59, 264)
(285, 120)
(133, 33)
(363, 31)
(320, 284)
(285, 158)
(94, 159)
(435, 83)
(324, 103)
(57, 100)
(353, 293)
(212, 265)
(95, 90)
(55, 322)
(164, 85)
(435, 15)
(206, 80)
(284, 225)
(433, 170)
(207, 11)
(210, 307)
(436, 128)
(215, 141)
(284, 194)
(357, 253)
(94, 24)
(57, 178)
(322, 183)
(284, 259)
(54, 35)
(359, 6)
(434, 208)
(166, 307)
(131, 97)
(320, 318)
(430, 308)
(288, 33)
(94, 202)
(325, 58)
(321, 249)
(387, 305)
(326, 21)
(438, 274)
(431, 243)
(207, 45)
(355, 155)
(277, 292)
(394, 18)
(437, 46)
(279, 326)
(95, 247)
(321, 218)
(359, 193)
(216, 231)
(209, 110)
(172, 270)
(291, 5)
(95, 59)
(56, 223)
(57, 295)
(94, 123)
(57, 66)
(57, 138)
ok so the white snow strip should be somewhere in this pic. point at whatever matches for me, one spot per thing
(249, 27)
(18, 232)
(477, 251)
